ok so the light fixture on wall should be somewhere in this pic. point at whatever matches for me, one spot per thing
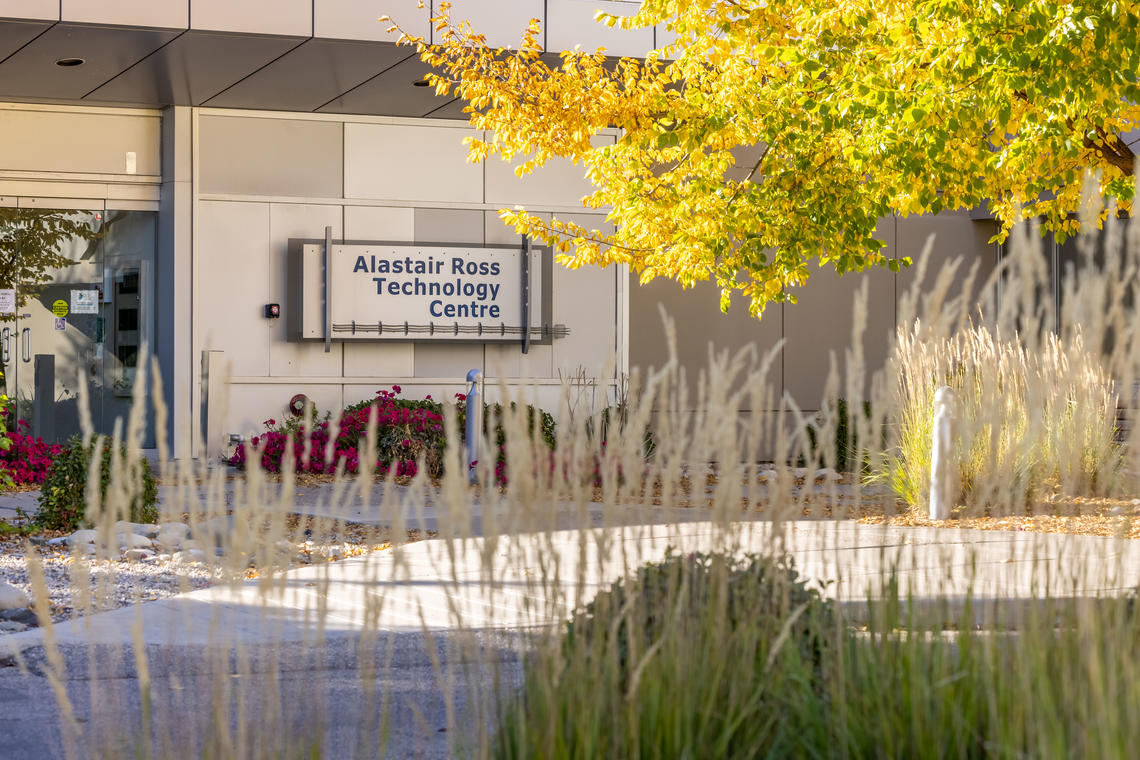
(69, 62)
(421, 83)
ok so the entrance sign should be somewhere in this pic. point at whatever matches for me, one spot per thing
(403, 291)
(59, 308)
(85, 301)
(8, 301)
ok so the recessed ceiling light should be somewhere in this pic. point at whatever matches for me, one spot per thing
(421, 83)
(70, 62)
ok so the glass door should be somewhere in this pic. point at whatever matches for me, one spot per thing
(74, 297)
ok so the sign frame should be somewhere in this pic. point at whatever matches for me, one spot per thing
(301, 316)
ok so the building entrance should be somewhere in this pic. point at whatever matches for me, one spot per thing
(76, 307)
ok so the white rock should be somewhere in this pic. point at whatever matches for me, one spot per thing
(141, 529)
(190, 555)
(11, 626)
(12, 598)
(82, 537)
(133, 541)
(827, 474)
(172, 536)
(137, 555)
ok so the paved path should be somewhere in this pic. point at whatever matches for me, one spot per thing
(295, 651)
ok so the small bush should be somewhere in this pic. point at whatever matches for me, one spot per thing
(688, 658)
(63, 497)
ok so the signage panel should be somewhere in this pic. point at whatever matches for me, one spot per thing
(415, 292)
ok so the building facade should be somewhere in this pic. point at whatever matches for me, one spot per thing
(200, 141)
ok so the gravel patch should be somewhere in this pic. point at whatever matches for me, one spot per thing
(113, 583)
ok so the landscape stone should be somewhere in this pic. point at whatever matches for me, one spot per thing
(12, 598)
(133, 541)
(141, 529)
(82, 537)
(11, 626)
(23, 615)
(214, 531)
(137, 555)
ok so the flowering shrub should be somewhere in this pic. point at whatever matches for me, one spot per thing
(27, 459)
(406, 431)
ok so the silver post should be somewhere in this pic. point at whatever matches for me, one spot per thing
(474, 420)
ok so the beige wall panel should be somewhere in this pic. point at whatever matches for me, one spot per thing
(558, 183)
(821, 324)
(571, 22)
(446, 225)
(386, 223)
(251, 404)
(173, 14)
(955, 236)
(509, 360)
(56, 141)
(290, 17)
(233, 262)
(39, 9)
(378, 359)
(699, 323)
(585, 300)
(388, 359)
(448, 359)
(420, 163)
(354, 20)
(502, 22)
(297, 221)
(249, 156)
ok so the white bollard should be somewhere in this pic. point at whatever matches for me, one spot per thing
(944, 478)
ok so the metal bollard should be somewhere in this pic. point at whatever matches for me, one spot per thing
(474, 420)
(944, 483)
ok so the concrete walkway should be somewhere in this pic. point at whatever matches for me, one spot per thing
(427, 610)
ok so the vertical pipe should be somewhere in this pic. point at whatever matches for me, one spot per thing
(474, 427)
(328, 289)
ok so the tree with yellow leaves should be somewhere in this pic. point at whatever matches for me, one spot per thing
(776, 133)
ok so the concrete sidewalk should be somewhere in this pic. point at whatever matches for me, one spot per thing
(307, 639)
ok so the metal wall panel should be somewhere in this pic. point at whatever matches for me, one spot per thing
(38, 9)
(406, 163)
(287, 220)
(233, 285)
(354, 20)
(254, 156)
(501, 22)
(73, 141)
(171, 14)
(571, 22)
(291, 17)
(558, 183)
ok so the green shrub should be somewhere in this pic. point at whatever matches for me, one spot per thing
(63, 498)
(685, 659)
